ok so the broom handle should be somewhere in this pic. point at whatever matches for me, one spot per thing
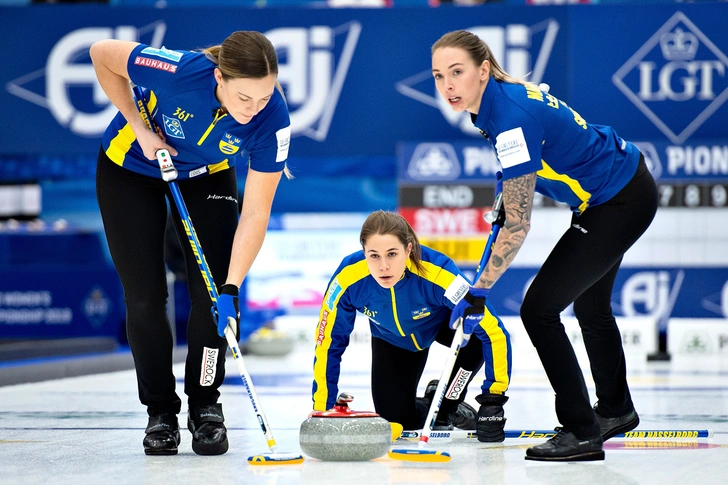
(442, 384)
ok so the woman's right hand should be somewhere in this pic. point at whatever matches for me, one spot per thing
(110, 58)
(151, 142)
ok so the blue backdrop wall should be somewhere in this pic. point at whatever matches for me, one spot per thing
(358, 81)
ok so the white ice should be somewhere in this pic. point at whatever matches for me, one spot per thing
(89, 430)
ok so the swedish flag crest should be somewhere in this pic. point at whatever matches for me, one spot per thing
(230, 144)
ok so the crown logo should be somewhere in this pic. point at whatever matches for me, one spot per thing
(679, 45)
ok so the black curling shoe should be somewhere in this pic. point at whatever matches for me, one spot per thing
(465, 417)
(430, 389)
(209, 435)
(565, 446)
(611, 427)
(162, 435)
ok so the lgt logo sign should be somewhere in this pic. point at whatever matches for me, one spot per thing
(677, 78)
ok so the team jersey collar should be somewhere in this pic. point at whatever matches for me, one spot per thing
(408, 269)
(401, 282)
(214, 103)
(403, 279)
(492, 88)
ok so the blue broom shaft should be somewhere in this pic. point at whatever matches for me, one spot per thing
(182, 209)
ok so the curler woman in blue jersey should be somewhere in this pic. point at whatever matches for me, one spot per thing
(212, 110)
(408, 292)
(545, 146)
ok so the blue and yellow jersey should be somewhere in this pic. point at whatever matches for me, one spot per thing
(409, 315)
(577, 163)
(181, 96)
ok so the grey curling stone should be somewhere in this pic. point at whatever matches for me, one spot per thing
(268, 342)
(341, 434)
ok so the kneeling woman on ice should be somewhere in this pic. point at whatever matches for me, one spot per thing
(408, 292)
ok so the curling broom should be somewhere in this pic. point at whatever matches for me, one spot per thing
(169, 175)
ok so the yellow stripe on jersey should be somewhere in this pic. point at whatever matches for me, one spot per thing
(219, 114)
(216, 167)
(414, 341)
(549, 173)
(120, 144)
(394, 312)
(499, 352)
(327, 316)
(434, 274)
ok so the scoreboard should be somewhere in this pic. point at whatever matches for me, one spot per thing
(444, 189)
(671, 194)
(693, 194)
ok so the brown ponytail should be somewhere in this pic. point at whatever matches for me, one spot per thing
(244, 54)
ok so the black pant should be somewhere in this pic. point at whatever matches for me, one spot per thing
(134, 212)
(581, 269)
(396, 372)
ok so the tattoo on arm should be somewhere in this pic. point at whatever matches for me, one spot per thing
(518, 203)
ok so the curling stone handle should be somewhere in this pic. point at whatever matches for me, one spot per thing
(344, 398)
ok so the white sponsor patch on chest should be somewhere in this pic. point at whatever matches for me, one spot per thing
(198, 171)
(511, 148)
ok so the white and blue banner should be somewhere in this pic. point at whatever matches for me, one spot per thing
(41, 303)
(58, 284)
(358, 80)
(661, 293)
